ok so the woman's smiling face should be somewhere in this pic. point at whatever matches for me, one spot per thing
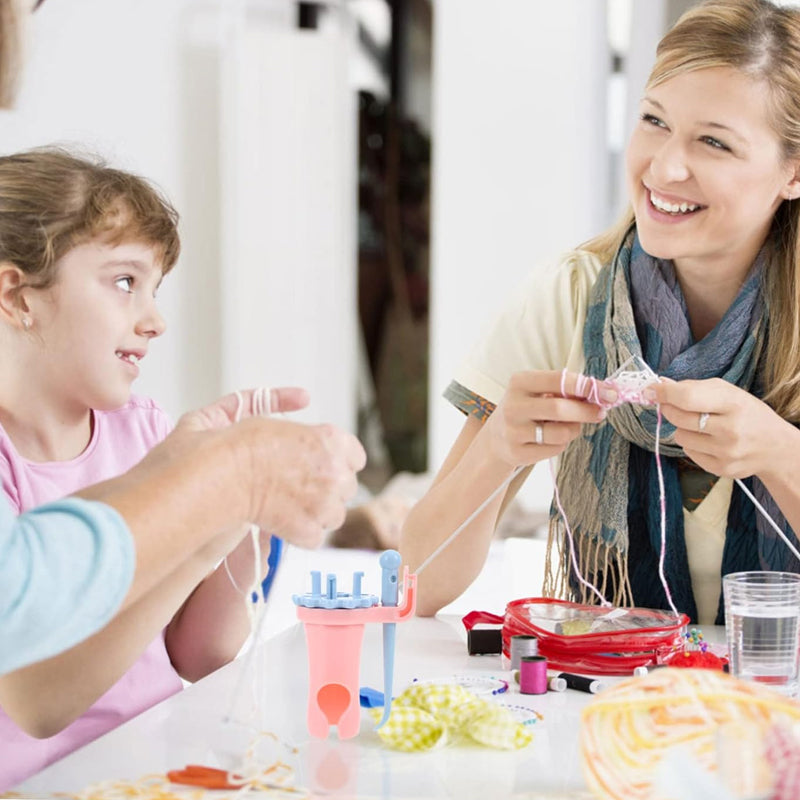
(705, 170)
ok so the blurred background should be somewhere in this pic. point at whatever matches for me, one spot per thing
(362, 184)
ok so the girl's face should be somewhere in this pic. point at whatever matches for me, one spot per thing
(705, 172)
(95, 323)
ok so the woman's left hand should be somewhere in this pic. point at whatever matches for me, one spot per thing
(722, 428)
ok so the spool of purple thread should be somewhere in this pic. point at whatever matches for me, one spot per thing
(533, 675)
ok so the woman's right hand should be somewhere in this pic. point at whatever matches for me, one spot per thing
(541, 413)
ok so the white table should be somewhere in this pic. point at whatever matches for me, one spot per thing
(188, 728)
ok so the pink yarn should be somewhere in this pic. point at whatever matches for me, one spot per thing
(662, 499)
(624, 395)
(783, 756)
(574, 560)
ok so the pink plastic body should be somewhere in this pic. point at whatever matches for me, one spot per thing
(334, 637)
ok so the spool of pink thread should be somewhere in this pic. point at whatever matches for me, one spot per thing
(533, 675)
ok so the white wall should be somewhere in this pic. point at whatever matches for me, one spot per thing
(519, 165)
(289, 223)
(107, 75)
(141, 82)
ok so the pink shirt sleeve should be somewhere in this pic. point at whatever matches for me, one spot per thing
(8, 472)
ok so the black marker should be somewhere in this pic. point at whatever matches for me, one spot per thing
(578, 682)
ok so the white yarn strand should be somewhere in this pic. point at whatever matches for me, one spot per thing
(768, 518)
(260, 406)
(467, 521)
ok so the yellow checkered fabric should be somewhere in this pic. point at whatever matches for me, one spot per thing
(425, 716)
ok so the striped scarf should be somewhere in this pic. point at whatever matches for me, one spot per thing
(607, 477)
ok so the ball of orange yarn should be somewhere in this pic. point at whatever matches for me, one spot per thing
(629, 728)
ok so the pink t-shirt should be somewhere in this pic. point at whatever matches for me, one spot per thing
(119, 440)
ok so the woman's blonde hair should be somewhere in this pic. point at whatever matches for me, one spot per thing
(761, 40)
(52, 200)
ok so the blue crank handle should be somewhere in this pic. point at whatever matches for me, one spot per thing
(390, 566)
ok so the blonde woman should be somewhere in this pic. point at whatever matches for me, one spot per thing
(701, 280)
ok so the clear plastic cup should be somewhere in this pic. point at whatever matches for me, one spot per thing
(762, 627)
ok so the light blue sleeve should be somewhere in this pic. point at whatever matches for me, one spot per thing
(65, 568)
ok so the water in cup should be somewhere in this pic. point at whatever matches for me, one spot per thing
(762, 624)
(767, 651)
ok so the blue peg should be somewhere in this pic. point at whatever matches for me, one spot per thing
(357, 576)
(390, 566)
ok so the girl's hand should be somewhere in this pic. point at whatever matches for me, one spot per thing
(534, 420)
(222, 413)
(722, 428)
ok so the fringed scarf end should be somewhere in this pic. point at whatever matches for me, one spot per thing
(601, 565)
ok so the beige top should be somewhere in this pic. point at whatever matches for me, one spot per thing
(542, 329)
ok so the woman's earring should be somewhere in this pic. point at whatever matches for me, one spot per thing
(26, 323)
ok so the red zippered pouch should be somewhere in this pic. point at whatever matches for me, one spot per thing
(592, 639)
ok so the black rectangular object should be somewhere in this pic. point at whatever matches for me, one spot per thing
(485, 641)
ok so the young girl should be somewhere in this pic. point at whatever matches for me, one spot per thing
(83, 250)
(702, 280)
